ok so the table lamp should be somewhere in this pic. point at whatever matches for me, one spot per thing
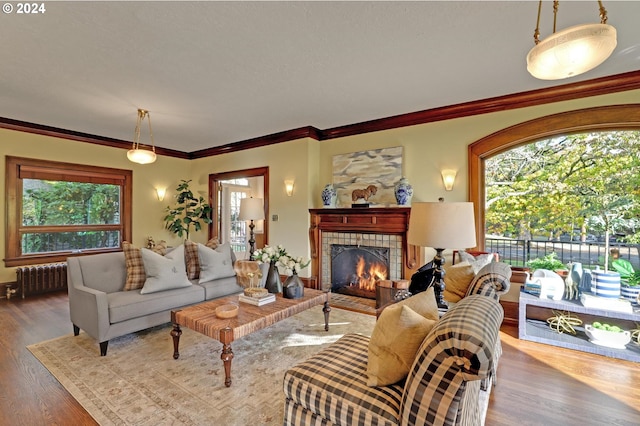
(441, 226)
(251, 209)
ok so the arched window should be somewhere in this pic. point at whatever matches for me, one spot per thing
(614, 117)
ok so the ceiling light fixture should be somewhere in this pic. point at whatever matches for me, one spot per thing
(572, 51)
(137, 154)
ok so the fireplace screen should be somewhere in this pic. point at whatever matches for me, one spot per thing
(356, 269)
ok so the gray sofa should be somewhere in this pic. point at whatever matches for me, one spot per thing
(99, 305)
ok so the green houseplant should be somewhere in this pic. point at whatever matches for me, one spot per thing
(549, 262)
(629, 280)
(190, 212)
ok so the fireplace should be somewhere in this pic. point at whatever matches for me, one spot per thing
(355, 270)
(380, 231)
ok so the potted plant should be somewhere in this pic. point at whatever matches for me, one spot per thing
(549, 262)
(190, 212)
(629, 279)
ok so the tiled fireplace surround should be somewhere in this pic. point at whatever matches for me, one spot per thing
(373, 227)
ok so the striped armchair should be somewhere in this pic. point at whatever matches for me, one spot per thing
(448, 384)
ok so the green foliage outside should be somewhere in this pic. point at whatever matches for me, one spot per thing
(189, 212)
(61, 203)
(549, 262)
(575, 184)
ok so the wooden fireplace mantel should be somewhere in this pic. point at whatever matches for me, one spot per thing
(374, 220)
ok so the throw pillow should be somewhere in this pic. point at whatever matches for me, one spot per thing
(216, 263)
(457, 279)
(164, 272)
(478, 262)
(394, 343)
(213, 243)
(135, 267)
(423, 303)
(192, 260)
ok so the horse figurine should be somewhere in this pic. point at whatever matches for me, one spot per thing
(364, 193)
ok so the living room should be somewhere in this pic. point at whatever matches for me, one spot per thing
(438, 139)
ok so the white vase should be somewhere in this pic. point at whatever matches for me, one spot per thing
(329, 196)
(403, 192)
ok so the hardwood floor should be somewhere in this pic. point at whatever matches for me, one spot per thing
(537, 384)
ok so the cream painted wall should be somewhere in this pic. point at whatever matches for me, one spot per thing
(147, 210)
(290, 160)
(427, 149)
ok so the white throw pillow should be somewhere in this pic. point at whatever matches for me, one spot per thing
(216, 263)
(164, 272)
(477, 262)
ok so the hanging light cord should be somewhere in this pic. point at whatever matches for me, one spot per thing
(556, 3)
(136, 134)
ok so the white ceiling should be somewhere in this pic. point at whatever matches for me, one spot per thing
(213, 73)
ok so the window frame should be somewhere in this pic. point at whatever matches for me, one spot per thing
(612, 117)
(18, 168)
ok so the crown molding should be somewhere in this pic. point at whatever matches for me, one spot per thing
(565, 92)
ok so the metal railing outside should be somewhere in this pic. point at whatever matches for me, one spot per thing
(519, 252)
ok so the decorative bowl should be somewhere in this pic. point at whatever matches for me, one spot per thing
(255, 291)
(610, 339)
(227, 311)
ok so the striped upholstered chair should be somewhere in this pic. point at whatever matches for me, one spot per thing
(448, 384)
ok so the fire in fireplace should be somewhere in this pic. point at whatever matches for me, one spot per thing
(355, 270)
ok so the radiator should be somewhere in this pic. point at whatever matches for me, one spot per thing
(38, 279)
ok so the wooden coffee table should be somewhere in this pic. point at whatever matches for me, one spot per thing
(202, 318)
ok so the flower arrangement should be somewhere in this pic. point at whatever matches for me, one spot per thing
(290, 264)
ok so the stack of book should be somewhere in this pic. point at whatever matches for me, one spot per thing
(257, 301)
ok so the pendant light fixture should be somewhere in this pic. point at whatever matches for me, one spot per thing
(572, 51)
(137, 154)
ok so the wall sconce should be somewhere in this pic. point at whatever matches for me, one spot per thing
(160, 192)
(288, 186)
(448, 178)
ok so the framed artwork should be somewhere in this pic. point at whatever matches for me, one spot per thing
(357, 170)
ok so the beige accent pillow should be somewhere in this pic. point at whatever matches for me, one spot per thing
(394, 344)
(135, 267)
(457, 279)
(423, 303)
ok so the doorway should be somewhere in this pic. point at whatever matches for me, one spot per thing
(225, 191)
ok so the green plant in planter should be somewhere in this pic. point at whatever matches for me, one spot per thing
(550, 262)
(190, 211)
(628, 275)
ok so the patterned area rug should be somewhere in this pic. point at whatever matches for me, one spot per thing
(139, 382)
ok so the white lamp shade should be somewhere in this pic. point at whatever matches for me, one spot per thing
(442, 225)
(572, 51)
(251, 209)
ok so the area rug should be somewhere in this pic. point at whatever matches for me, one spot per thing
(139, 382)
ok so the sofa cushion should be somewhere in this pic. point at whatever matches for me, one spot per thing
(220, 287)
(216, 263)
(135, 266)
(461, 347)
(457, 279)
(423, 303)
(332, 384)
(394, 343)
(492, 280)
(125, 305)
(164, 272)
(104, 272)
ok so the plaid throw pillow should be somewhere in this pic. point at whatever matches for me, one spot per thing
(192, 259)
(135, 267)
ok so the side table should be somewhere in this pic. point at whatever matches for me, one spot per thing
(538, 331)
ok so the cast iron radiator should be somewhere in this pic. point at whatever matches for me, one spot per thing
(38, 279)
